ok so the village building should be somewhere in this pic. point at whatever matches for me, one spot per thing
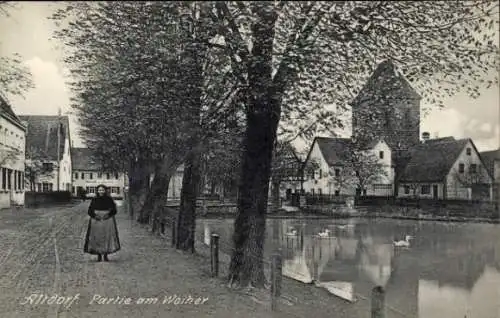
(12, 156)
(445, 169)
(386, 123)
(286, 172)
(329, 168)
(88, 174)
(48, 153)
(491, 160)
(175, 184)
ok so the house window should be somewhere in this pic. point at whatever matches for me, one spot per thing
(407, 190)
(337, 172)
(425, 189)
(468, 151)
(473, 168)
(91, 176)
(99, 175)
(76, 176)
(117, 177)
(381, 154)
(9, 179)
(83, 175)
(108, 176)
(39, 187)
(48, 166)
(4, 178)
(312, 191)
(461, 168)
(46, 187)
(319, 191)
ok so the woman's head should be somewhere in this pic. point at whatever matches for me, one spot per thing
(102, 190)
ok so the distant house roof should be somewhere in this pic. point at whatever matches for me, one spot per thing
(489, 158)
(7, 110)
(82, 160)
(386, 80)
(41, 135)
(432, 160)
(334, 150)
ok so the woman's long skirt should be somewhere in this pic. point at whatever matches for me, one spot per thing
(102, 236)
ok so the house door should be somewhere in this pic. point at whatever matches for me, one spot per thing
(435, 192)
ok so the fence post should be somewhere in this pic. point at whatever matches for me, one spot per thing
(162, 226)
(214, 254)
(378, 302)
(276, 278)
(174, 232)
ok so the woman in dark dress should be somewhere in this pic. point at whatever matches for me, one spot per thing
(102, 233)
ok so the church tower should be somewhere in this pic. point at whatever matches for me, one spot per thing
(387, 107)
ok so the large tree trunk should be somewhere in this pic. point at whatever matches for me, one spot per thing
(263, 114)
(158, 193)
(186, 220)
(275, 190)
(138, 188)
(156, 198)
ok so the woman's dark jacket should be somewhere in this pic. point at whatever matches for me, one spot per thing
(102, 203)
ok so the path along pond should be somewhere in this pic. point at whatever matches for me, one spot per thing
(428, 269)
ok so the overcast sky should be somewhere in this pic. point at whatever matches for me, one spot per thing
(28, 32)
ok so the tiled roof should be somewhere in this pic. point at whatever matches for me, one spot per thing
(489, 158)
(334, 150)
(82, 160)
(432, 160)
(386, 80)
(6, 109)
(41, 135)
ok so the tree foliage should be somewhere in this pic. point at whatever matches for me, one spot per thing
(15, 78)
(287, 59)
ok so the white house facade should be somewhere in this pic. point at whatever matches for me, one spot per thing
(12, 157)
(325, 169)
(446, 169)
(88, 174)
(48, 145)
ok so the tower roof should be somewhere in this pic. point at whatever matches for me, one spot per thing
(386, 82)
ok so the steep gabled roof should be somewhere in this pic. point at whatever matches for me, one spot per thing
(432, 160)
(334, 150)
(385, 82)
(489, 158)
(41, 135)
(82, 160)
(6, 110)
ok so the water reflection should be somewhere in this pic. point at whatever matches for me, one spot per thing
(449, 270)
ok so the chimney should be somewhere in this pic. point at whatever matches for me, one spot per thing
(425, 137)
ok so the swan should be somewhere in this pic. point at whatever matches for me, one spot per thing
(345, 226)
(325, 233)
(405, 243)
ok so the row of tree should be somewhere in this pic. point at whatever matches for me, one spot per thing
(215, 85)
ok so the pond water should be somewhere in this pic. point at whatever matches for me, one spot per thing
(446, 269)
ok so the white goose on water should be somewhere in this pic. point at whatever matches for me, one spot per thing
(325, 233)
(405, 243)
